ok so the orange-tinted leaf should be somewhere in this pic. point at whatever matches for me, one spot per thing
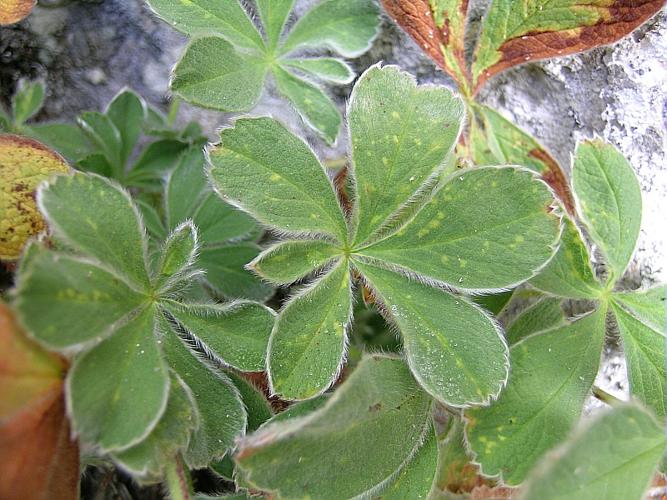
(495, 140)
(24, 163)
(438, 26)
(517, 32)
(12, 11)
(38, 460)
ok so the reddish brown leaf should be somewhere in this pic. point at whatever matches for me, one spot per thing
(438, 27)
(38, 459)
(517, 32)
(12, 11)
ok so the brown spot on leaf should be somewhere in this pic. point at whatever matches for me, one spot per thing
(555, 177)
(615, 22)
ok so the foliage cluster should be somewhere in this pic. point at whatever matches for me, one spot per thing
(148, 287)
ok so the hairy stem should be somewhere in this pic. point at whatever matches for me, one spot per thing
(605, 397)
(177, 480)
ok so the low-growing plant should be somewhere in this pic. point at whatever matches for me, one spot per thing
(473, 383)
(226, 64)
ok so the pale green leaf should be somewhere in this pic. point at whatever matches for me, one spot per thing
(444, 337)
(614, 458)
(609, 199)
(400, 137)
(220, 222)
(102, 132)
(235, 334)
(497, 241)
(119, 389)
(325, 68)
(300, 409)
(273, 175)
(416, 479)
(307, 346)
(368, 430)
(552, 374)
(154, 162)
(569, 272)
(127, 111)
(225, 271)
(313, 105)
(171, 435)
(213, 74)
(205, 17)
(99, 218)
(66, 138)
(646, 305)
(274, 15)
(545, 314)
(179, 253)
(221, 413)
(346, 26)
(289, 261)
(65, 302)
(644, 346)
(27, 100)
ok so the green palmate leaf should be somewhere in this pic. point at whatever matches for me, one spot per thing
(169, 437)
(65, 302)
(444, 338)
(346, 26)
(236, 334)
(370, 428)
(313, 105)
(545, 314)
(179, 253)
(225, 271)
(516, 32)
(221, 414)
(613, 458)
(416, 479)
(307, 346)
(438, 27)
(154, 161)
(498, 241)
(494, 140)
(205, 17)
(114, 236)
(325, 68)
(102, 132)
(122, 407)
(274, 15)
(127, 111)
(400, 137)
(300, 409)
(66, 138)
(27, 100)
(213, 74)
(289, 261)
(569, 273)
(609, 200)
(268, 172)
(552, 373)
(642, 322)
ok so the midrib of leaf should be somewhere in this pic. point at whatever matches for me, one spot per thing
(443, 341)
(298, 187)
(560, 389)
(624, 464)
(417, 244)
(390, 172)
(226, 75)
(330, 306)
